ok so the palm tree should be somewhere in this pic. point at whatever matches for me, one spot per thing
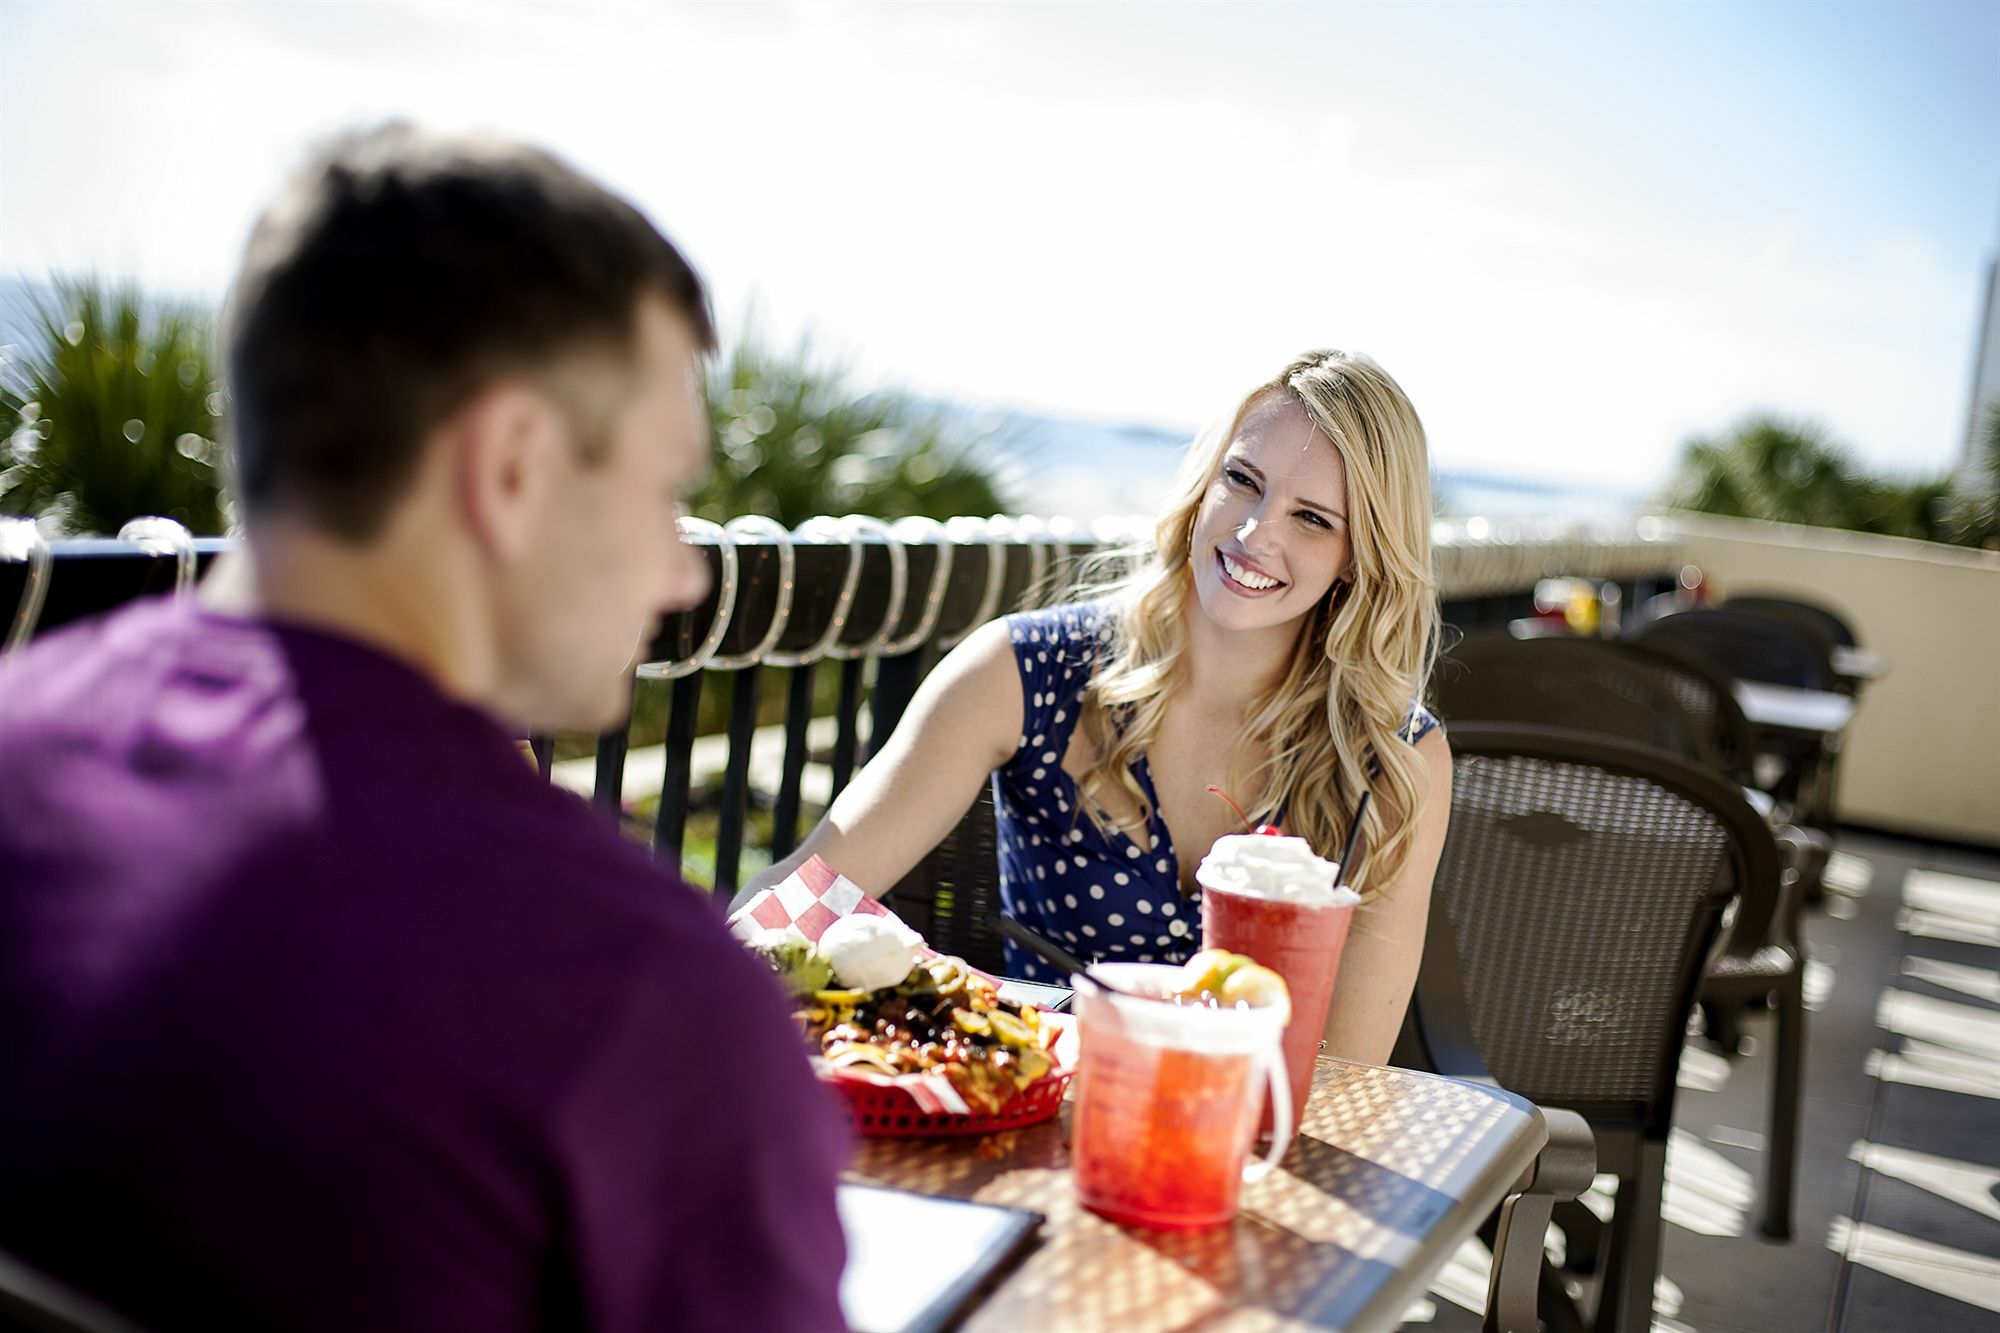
(793, 439)
(114, 410)
(1784, 471)
(1770, 468)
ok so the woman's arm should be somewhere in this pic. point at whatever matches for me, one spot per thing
(964, 722)
(1379, 968)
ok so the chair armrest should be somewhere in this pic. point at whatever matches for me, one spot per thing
(1567, 1163)
(1562, 1170)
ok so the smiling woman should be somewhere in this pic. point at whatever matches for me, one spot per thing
(1294, 556)
(1274, 643)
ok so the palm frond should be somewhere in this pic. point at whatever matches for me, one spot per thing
(794, 439)
(1791, 471)
(113, 410)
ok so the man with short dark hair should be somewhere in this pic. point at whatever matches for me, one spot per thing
(318, 1009)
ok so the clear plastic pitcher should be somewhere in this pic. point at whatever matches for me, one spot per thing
(1167, 1100)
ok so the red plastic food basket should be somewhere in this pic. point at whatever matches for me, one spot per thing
(887, 1112)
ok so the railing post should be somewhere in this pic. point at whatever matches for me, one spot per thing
(798, 716)
(608, 791)
(736, 779)
(896, 681)
(670, 823)
(848, 717)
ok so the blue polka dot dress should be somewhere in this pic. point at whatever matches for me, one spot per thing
(1104, 896)
(1107, 897)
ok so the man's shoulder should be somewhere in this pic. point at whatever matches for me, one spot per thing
(67, 662)
(502, 826)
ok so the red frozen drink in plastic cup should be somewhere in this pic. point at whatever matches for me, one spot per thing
(1274, 900)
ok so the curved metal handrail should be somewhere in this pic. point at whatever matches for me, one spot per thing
(899, 587)
(157, 535)
(814, 529)
(933, 534)
(725, 605)
(1035, 534)
(781, 614)
(1121, 543)
(21, 540)
(982, 531)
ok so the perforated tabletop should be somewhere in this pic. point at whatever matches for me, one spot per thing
(1391, 1171)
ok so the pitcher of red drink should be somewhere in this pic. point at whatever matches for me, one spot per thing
(1167, 1099)
(1272, 899)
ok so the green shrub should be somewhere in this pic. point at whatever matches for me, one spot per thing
(114, 410)
(794, 439)
(1785, 471)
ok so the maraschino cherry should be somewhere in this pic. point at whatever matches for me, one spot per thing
(1267, 830)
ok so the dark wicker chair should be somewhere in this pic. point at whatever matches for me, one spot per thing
(1797, 611)
(1618, 690)
(1703, 689)
(1581, 888)
(953, 894)
(1822, 626)
(1759, 648)
(1748, 647)
(1583, 684)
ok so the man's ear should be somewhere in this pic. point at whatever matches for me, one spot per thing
(508, 444)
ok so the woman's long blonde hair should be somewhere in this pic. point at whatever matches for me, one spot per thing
(1333, 725)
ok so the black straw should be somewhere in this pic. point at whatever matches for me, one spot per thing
(1056, 956)
(1039, 944)
(1345, 873)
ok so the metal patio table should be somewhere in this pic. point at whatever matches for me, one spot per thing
(1809, 713)
(1391, 1172)
(1857, 664)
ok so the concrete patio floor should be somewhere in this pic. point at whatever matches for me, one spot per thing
(1898, 1210)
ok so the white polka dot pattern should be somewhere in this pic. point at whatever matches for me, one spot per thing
(1102, 886)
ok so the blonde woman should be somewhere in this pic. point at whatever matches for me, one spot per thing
(1273, 644)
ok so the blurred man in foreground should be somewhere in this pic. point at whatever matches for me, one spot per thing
(318, 1009)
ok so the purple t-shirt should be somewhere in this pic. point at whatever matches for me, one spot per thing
(320, 1010)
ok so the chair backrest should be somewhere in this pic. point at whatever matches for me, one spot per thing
(1746, 646)
(1793, 610)
(952, 894)
(32, 1301)
(1582, 684)
(1583, 883)
(1703, 691)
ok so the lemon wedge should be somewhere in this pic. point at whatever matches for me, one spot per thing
(1206, 971)
(1253, 985)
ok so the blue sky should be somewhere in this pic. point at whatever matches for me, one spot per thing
(1575, 233)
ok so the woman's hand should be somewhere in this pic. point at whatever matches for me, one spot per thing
(1378, 970)
(964, 722)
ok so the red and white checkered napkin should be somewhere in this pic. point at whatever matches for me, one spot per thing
(810, 899)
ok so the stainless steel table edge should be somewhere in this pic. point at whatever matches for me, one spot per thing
(1412, 1279)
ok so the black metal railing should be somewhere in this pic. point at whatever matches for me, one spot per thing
(854, 612)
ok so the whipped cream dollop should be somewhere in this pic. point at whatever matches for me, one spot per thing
(869, 952)
(1284, 869)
